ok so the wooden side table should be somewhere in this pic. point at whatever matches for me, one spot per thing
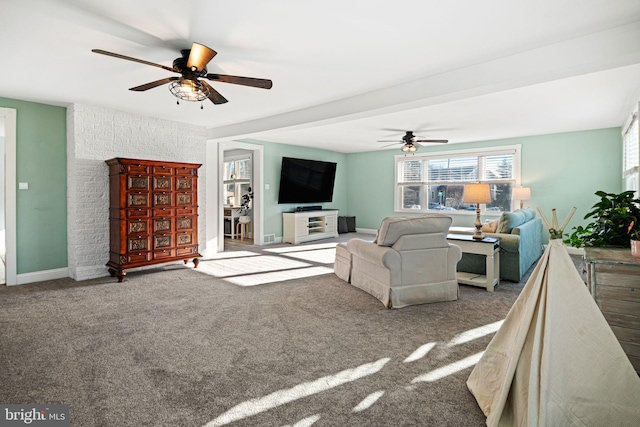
(613, 278)
(490, 248)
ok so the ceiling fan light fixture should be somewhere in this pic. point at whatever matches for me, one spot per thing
(409, 148)
(189, 90)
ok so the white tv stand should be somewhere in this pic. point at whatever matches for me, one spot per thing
(304, 226)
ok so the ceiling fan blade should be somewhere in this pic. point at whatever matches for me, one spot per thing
(396, 143)
(128, 58)
(200, 56)
(432, 140)
(151, 85)
(245, 81)
(391, 140)
(214, 95)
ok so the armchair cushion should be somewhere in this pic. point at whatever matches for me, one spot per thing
(393, 227)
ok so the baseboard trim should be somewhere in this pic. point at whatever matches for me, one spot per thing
(41, 276)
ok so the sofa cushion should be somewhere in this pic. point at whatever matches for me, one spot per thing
(393, 227)
(510, 220)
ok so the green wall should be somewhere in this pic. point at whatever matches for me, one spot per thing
(41, 157)
(273, 154)
(563, 170)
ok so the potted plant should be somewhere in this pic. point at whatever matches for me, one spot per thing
(245, 206)
(614, 218)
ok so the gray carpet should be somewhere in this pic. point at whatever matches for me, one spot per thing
(258, 337)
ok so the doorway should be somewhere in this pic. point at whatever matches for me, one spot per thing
(232, 149)
(8, 188)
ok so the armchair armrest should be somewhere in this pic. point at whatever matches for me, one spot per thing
(380, 255)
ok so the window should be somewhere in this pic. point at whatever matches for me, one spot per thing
(631, 154)
(436, 181)
(237, 179)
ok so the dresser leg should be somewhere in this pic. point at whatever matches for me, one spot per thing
(112, 272)
(121, 275)
(196, 261)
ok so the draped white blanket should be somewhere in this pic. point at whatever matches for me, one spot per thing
(555, 360)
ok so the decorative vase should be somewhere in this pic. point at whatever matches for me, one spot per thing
(635, 248)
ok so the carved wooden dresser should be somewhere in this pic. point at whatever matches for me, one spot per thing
(153, 213)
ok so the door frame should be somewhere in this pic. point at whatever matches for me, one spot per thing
(9, 115)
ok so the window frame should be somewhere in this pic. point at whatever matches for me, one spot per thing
(631, 135)
(515, 150)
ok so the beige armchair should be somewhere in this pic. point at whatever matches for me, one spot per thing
(410, 262)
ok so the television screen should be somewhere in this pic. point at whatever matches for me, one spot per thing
(306, 181)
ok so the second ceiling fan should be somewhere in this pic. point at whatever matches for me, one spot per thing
(192, 67)
(410, 142)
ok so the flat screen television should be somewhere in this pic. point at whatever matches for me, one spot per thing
(306, 181)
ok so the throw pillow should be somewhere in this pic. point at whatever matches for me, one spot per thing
(509, 220)
(490, 227)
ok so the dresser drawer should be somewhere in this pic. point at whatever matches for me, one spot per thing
(185, 183)
(138, 257)
(137, 199)
(184, 239)
(186, 211)
(189, 250)
(163, 212)
(162, 199)
(186, 171)
(163, 241)
(185, 198)
(138, 182)
(165, 253)
(186, 223)
(136, 213)
(137, 243)
(163, 225)
(138, 226)
(162, 183)
(137, 169)
(162, 170)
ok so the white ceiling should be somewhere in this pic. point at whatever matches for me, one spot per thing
(345, 74)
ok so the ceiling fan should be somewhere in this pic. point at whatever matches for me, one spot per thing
(192, 66)
(411, 142)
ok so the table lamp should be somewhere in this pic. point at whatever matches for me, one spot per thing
(477, 193)
(521, 193)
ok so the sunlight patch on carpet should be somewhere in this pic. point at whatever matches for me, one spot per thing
(475, 333)
(301, 248)
(420, 352)
(450, 369)
(368, 401)
(232, 254)
(305, 422)
(281, 397)
(278, 276)
(242, 266)
(321, 256)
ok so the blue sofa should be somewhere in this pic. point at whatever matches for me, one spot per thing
(520, 234)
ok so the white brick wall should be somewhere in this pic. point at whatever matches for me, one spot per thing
(97, 134)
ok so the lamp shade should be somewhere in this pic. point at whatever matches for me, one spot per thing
(521, 193)
(477, 193)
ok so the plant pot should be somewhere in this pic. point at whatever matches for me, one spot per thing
(635, 248)
(244, 218)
